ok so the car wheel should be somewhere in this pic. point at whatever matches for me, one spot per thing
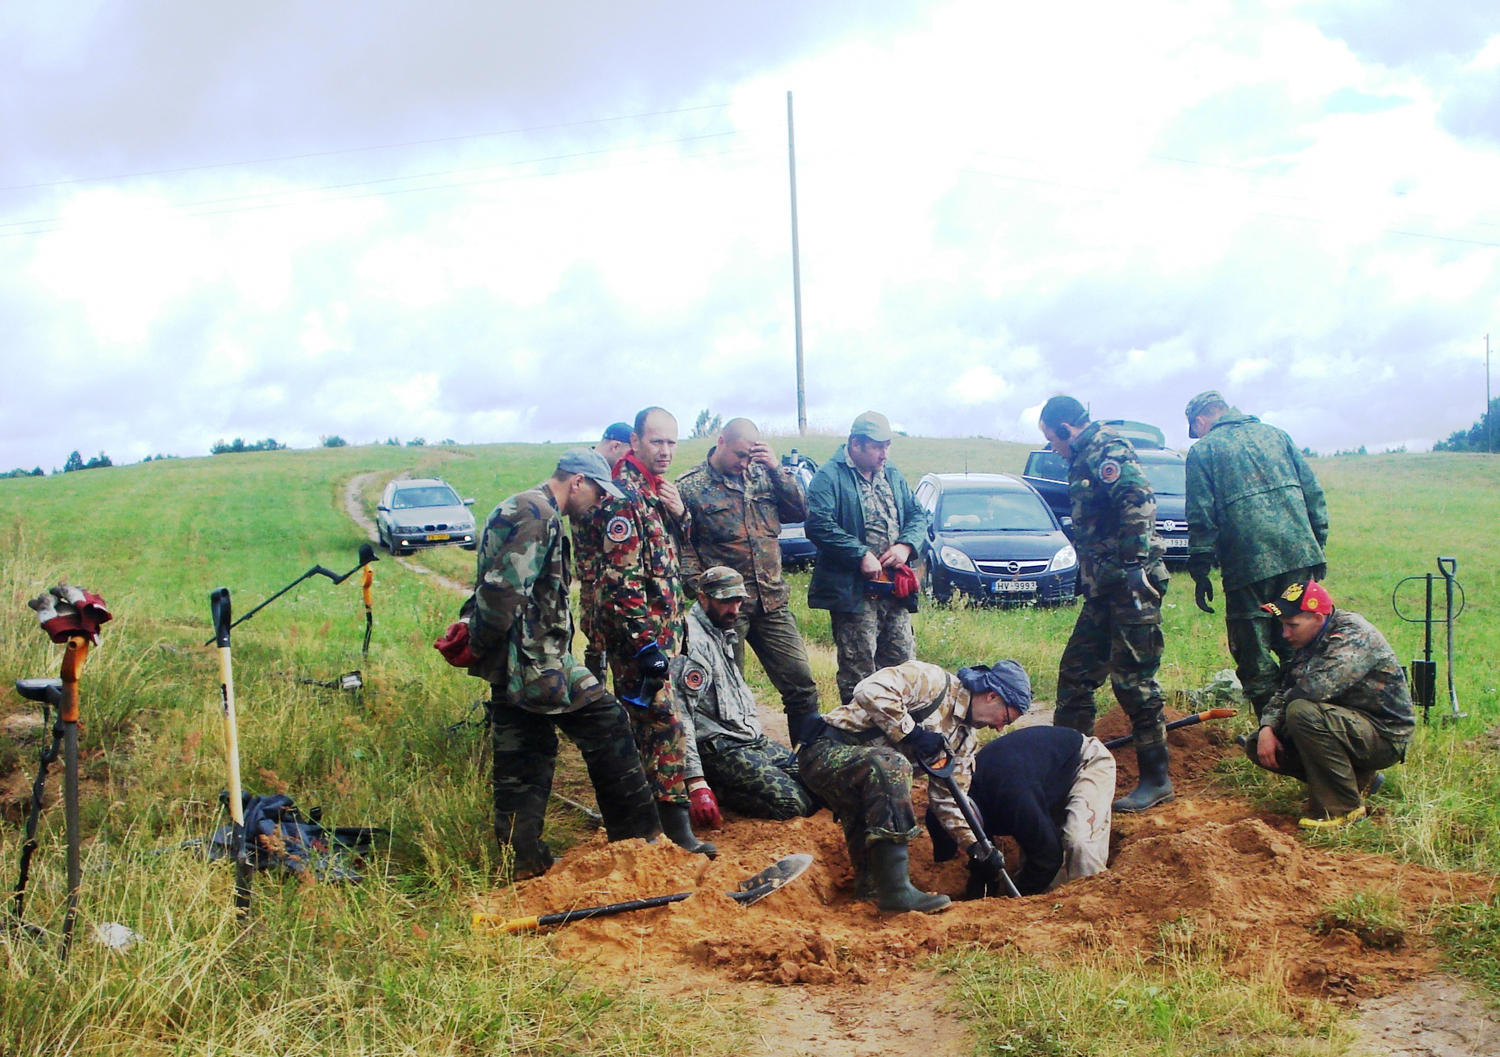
(935, 584)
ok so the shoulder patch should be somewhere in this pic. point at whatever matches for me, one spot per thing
(619, 529)
(1109, 471)
(693, 678)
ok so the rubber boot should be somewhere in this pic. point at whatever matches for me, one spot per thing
(1155, 786)
(864, 879)
(894, 893)
(532, 862)
(1074, 719)
(679, 828)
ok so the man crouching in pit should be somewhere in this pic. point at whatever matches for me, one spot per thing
(858, 760)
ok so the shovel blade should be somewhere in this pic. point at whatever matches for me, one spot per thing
(779, 874)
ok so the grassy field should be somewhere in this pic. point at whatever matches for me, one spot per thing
(389, 965)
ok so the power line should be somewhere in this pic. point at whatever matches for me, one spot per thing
(357, 150)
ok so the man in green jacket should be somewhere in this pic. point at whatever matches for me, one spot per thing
(864, 522)
(1256, 511)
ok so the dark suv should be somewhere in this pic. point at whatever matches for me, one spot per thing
(1166, 469)
(797, 551)
(993, 538)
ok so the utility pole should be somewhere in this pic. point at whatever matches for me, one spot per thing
(791, 161)
(1489, 420)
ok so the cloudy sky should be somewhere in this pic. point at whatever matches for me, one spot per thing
(488, 220)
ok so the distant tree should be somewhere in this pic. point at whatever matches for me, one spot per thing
(393, 442)
(1483, 435)
(75, 462)
(416, 442)
(334, 441)
(707, 425)
(18, 472)
(1309, 453)
(239, 445)
(98, 462)
(446, 441)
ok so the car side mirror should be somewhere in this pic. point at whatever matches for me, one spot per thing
(469, 501)
(383, 507)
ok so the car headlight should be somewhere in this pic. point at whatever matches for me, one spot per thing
(954, 558)
(1063, 559)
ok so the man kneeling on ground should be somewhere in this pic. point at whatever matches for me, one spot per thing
(729, 757)
(1050, 789)
(1343, 712)
(859, 760)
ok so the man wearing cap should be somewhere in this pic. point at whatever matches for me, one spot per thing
(1256, 511)
(639, 609)
(739, 496)
(1049, 789)
(612, 447)
(1343, 712)
(521, 630)
(866, 525)
(858, 760)
(1118, 631)
(729, 758)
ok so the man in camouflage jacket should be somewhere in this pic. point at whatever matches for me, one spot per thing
(612, 447)
(738, 497)
(858, 760)
(729, 757)
(1256, 511)
(521, 631)
(639, 614)
(1343, 711)
(1118, 632)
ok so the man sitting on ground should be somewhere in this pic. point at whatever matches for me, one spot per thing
(729, 757)
(1343, 712)
(1050, 789)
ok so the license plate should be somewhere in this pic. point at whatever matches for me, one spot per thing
(433, 537)
(1022, 587)
(1177, 545)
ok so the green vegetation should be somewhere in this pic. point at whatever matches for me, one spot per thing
(390, 964)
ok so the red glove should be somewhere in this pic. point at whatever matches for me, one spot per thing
(905, 581)
(66, 610)
(454, 645)
(703, 808)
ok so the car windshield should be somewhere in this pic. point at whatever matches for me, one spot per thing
(994, 512)
(1167, 478)
(428, 495)
(1048, 465)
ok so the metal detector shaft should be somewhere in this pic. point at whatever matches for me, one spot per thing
(366, 556)
(77, 652)
(1449, 568)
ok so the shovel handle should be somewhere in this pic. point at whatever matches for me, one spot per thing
(1185, 721)
(366, 582)
(496, 923)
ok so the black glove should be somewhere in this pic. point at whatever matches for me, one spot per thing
(927, 744)
(651, 662)
(1203, 593)
(986, 867)
(1139, 585)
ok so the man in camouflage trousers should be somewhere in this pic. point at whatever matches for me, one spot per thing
(521, 631)
(858, 760)
(863, 520)
(639, 615)
(738, 498)
(729, 758)
(1118, 632)
(1343, 711)
(612, 447)
(1256, 511)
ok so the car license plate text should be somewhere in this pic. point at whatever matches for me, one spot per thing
(1015, 586)
(1177, 545)
(433, 537)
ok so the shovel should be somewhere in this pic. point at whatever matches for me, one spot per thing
(944, 773)
(751, 890)
(1185, 721)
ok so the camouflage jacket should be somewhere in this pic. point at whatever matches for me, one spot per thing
(519, 623)
(711, 695)
(737, 522)
(885, 702)
(639, 590)
(588, 551)
(1114, 511)
(1254, 508)
(1349, 664)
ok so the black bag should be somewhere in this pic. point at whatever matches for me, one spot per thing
(276, 835)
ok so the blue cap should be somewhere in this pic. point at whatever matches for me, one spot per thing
(620, 432)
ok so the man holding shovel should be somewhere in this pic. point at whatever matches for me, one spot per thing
(858, 759)
(521, 631)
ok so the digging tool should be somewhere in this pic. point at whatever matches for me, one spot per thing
(751, 890)
(944, 773)
(591, 818)
(48, 693)
(366, 582)
(1185, 721)
(1449, 567)
(219, 605)
(76, 653)
(1423, 673)
(366, 556)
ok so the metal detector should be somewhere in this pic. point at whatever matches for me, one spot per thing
(1424, 671)
(366, 556)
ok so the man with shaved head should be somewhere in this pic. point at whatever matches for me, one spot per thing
(738, 497)
(639, 615)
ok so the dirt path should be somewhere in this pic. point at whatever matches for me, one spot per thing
(909, 1018)
(1437, 1016)
(354, 506)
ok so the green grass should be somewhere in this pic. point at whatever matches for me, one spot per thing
(388, 966)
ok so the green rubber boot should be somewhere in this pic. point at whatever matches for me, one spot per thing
(1155, 786)
(679, 828)
(894, 894)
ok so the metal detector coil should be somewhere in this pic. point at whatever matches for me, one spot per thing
(1424, 671)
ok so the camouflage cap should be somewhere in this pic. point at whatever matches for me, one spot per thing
(722, 583)
(1311, 597)
(591, 464)
(1197, 404)
(872, 425)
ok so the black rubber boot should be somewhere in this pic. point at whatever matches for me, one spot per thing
(522, 833)
(864, 879)
(1074, 719)
(679, 828)
(1155, 786)
(894, 893)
